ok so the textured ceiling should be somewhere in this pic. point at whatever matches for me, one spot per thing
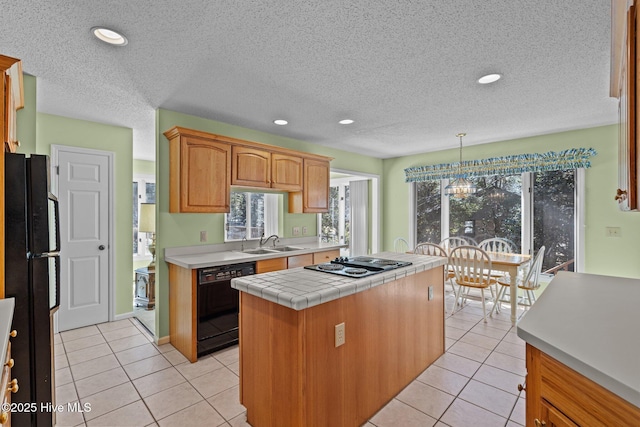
(404, 70)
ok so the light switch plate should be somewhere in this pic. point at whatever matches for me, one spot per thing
(203, 236)
(305, 230)
(296, 231)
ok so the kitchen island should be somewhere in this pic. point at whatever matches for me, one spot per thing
(583, 352)
(293, 369)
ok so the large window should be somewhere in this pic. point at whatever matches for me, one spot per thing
(252, 215)
(493, 211)
(144, 191)
(531, 210)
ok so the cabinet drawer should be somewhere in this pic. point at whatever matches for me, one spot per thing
(273, 264)
(326, 256)
(580, 399)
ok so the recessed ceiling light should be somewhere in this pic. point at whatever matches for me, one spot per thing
(489, 78)
(345, 122)
(109, 36)
(280, 122)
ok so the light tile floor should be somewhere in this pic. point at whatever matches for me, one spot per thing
(129, 381)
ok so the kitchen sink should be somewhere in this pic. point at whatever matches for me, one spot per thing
(257, 251)
(285, 248)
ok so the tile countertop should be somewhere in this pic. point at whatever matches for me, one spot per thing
(6, 318)
(300, 288)
(590, 323)
(212, 259)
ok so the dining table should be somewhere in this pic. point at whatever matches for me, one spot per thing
(509, 263)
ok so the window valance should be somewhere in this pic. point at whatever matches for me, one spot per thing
(572, 158)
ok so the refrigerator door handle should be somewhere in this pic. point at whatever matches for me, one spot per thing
(46, 255)
(56, 207)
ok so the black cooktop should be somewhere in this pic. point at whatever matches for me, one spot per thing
(358, 266)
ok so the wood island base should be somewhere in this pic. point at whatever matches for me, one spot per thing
(292, 374)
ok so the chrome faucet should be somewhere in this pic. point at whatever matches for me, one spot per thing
(264, 241)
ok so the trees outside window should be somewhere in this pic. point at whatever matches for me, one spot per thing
(542, 213)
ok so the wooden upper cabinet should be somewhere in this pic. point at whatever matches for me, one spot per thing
(259, 168)
(200, 174)
(204, 166)
(314, 197)
(286, 172)
(12, 100)
(625, 87)
(250, 167)
(316, 186)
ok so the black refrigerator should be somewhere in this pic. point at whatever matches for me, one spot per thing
(32, 277)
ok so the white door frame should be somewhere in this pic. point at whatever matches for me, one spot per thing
(55, 150)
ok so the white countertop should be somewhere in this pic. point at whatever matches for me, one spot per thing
(7, 306)
(212, 259)
(591, 324)
(300, 288)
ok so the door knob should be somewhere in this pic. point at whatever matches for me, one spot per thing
(101, 247)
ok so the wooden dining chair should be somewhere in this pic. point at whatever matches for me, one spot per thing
(498, 244)
(449, 243)
(400, 245)
(471, 268)
(430, 249)
(529, 283)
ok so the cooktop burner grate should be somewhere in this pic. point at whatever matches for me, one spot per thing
(330, 267)
(356, 271)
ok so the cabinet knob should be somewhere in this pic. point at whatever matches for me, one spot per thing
(13, 333)
(9, 363)
(621, 195)
(4, 417)
(13, 386)
(521, 387)
(539, 423)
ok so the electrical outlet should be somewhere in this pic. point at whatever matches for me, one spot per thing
(305, 230)
(203, 236)
(613, 232)
(339, 334)
(430, 293)
(296, 231)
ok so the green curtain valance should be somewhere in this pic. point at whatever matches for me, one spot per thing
(572, 158)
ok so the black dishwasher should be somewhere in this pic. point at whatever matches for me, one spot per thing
(218, 306)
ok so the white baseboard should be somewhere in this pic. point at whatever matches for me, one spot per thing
(164, 340)
(122, 316)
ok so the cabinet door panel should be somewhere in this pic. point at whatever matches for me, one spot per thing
(316, 186)
(286, 172)
(205, 170)
(273, 264)
(555, 418)
(251, 167)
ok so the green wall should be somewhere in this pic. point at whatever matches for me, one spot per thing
(59, 130)
(603, 255)
(184, 229)
(26, 117)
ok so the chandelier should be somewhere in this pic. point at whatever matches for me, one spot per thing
(460, 187)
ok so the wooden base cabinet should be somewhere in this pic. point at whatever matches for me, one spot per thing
(559, 396)
(292, 374)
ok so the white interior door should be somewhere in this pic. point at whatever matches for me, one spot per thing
(83, 193)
